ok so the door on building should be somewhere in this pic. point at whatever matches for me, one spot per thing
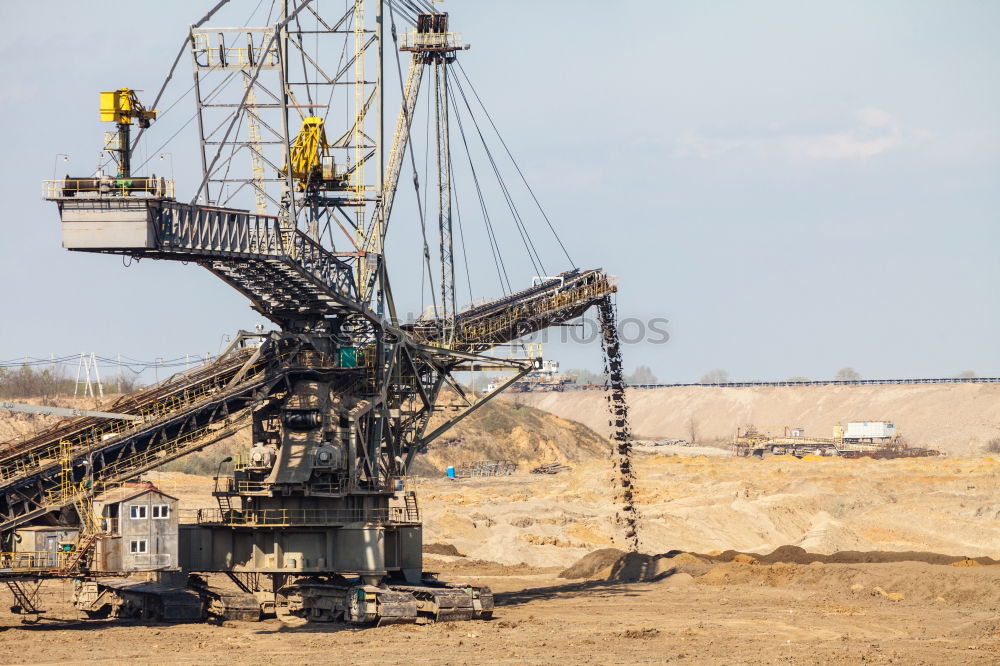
(52, 547)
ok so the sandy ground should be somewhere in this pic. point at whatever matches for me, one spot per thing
(705, 612)
(702, 504)
(958, 418)
(741, 614)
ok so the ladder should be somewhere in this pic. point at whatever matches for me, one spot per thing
(225, 504)
(412, 511)
(254, 145)
(25, 596)
(77, 558)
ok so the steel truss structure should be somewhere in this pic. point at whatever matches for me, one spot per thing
(341, 397)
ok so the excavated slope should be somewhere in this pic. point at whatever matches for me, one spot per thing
(499, 430)
(957, 418)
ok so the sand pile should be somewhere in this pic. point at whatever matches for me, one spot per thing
(442, 549)
(592, 563)
(507, 430)
(17, 425)
(797, 555)
(621, 567)
(916, 576)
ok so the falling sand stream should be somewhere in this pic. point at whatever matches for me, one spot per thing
(626, 515)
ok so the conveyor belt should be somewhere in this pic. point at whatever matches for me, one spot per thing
(183, 414)
(551, 302)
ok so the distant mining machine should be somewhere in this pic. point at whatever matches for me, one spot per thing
(315, 520)
(861, 439)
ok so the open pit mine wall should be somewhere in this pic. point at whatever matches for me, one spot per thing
(956, 418)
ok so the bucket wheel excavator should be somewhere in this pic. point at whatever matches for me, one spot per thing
(316, 521)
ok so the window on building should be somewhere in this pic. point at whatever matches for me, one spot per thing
(137, 511)
(138, 546)
(161, 511)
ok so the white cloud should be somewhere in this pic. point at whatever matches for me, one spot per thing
(874, 132)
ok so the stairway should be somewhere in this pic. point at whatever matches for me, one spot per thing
(285, 274)
(24, 600)
(412, 510)
(225, 504)
(78, 558)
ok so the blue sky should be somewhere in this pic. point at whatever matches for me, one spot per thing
(797, 187)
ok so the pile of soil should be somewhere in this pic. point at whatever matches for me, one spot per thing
(781, 567)
(621, 567)
(442, 549)
(797, 555)
(506, 430)
(592, 563)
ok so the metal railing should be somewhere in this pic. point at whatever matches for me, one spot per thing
(509, 318)
(299, 517)
(232, 231)
(62, 494)
(117, 187)
(208, 54)
(506, 322)
(33, 560)
(430, 41)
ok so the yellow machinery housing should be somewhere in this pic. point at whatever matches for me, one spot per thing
(312, 165)
(122, 106)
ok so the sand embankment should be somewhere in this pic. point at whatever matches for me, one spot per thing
(957, 418)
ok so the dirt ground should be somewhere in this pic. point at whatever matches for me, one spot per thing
(740, 614)
(702, 504)
(517, 534)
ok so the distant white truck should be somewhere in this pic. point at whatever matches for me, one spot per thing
(869, 430)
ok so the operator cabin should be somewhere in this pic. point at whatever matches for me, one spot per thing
(140, 527)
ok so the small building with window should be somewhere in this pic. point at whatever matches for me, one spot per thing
(139, 524)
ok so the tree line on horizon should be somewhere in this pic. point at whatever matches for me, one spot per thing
(28, 382)
(644, 375)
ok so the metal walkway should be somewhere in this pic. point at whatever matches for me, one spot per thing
(285, 274)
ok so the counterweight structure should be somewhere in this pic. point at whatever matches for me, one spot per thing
(315, 520)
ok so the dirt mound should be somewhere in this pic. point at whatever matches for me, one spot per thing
(797, 555)
(639, 567)
(592, 563)
(505, 430)
(498, 430)
(898, 581)
(442, 549)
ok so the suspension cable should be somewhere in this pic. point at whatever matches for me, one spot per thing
(516, 166)
(461, 230)
(413, 160)
(529, 245)
(490, 233)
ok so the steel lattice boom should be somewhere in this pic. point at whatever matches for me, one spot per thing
(339, 398)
